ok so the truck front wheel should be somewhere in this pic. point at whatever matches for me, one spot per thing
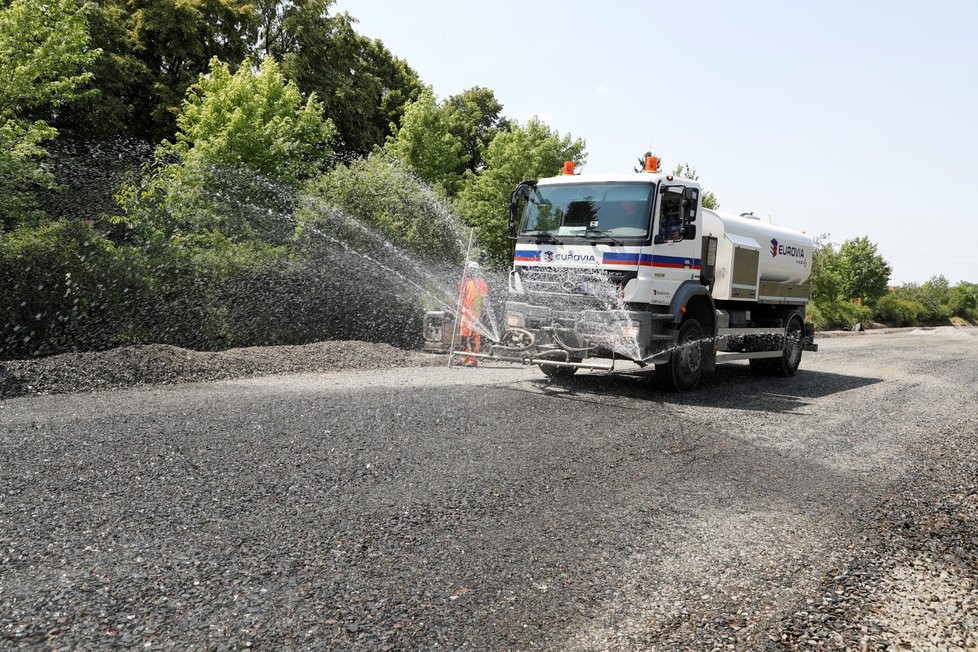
(688, 359)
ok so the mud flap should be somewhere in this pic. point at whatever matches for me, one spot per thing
(808, 342)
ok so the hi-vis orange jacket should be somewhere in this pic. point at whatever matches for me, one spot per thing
(475, 293)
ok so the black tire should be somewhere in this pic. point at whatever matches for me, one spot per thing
(790, 358)
(554, 371)
(687, 362)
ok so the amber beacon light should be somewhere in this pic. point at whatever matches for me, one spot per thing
(651, 163)
(568, 167)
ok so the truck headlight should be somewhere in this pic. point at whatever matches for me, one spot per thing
(515, 321)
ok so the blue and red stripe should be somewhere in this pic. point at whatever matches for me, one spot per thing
(623, 258)
(526, 255)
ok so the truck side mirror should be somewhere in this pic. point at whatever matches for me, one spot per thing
(522, 192)
(689, 231)
(690, 202)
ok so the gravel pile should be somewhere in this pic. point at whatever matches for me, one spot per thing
(158, 364)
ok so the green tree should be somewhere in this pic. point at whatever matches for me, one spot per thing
(362, 86)
(475, 117)
(378, 193)
(826, 278)
(863, 271)
(963, 300)
(253, 119)
(120, 101)
(176, 40)
(44, 49)
(247, 137)
(425, 145)
(515, 155)
(684, 170)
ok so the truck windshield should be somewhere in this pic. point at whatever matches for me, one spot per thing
(585, 209)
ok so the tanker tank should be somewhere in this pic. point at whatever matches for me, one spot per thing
(751, 253)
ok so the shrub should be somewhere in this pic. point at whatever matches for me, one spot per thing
(894, 311)
(377, 193)
(65, 288)
(834, 315)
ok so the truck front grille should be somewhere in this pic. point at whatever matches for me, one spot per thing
(596, 286)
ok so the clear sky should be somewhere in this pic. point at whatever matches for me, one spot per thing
(840, 118)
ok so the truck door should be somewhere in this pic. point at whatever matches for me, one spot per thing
(676, 248)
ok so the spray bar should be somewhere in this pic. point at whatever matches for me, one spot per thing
(529, 361)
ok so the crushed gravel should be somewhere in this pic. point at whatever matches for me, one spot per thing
(491, 508)
(158, 364)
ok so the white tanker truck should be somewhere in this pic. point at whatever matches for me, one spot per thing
(631, 266)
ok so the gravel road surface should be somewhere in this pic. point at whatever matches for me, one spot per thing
(424, 507)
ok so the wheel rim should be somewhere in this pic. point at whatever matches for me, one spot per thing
(690, 356)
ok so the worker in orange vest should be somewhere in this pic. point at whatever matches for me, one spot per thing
(474, 293)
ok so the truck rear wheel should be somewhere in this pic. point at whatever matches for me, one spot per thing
(685, 368)
(790, 358)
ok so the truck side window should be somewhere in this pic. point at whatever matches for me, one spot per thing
(671, 213)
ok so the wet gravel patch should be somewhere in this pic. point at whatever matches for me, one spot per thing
(158, 364)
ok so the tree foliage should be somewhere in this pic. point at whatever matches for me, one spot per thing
(43, 51)
(826, 278)
(515, 155)
(843, 279)
(120, 102)
(475, 117)
(425, 144)
(253, 119)
(932, 302)
(176, 40)
(377, 193)
(863, 272)
(249, 136)
(363, 87)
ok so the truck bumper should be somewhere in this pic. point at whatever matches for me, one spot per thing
(539, 334)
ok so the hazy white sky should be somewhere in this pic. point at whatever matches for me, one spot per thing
(845, 118)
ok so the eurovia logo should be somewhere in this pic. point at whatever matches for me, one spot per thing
(570, 257)
(786, 250)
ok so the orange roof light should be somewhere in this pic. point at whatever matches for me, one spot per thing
(651, 163)
(568, 167)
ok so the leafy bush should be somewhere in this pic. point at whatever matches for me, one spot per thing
(963, 300)
(245, 144)
(835, 315)
(931, 300)
(292, 301)
(65, 288)
(378, 194)
(894, 311)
